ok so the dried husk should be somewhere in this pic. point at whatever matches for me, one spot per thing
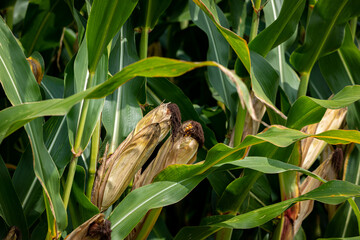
(251, 126)
(311, 147)
(329, 170)
(96, 228)
(179, 150)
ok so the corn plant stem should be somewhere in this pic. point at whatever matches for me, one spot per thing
(255, 20)
(304, 82)
(355, 208)
(149, 223)
(76, 150)
(144, 42)
(279, 229)
(95, 142)
(69, 181)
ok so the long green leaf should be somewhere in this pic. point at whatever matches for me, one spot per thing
(25, 182)
(77, 80)
(121, 110)
(264, 81)
(332, 192)
(276, 135)
(237, 43)
(307, 110)
(325, 31)
(341, 69)
(289, 81)
(105, 20)
(18, 116)
(281, 29)
(162, 193)
(218, 52)
(21, 87)
(10, 207)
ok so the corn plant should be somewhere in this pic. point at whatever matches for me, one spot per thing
(198, 119)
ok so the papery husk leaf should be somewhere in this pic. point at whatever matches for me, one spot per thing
(251, 126)
(311, 147)
(329, 170)
(96, 228)
(179, 150)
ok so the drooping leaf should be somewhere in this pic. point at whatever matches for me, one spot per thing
(162, 193)
(307, 110)
(332, 192)
(289, 80)
(21, 87)
(218, 52)
(265, 81)
(17, 116)
(237, 43)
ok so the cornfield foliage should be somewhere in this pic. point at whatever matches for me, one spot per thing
(91, 149)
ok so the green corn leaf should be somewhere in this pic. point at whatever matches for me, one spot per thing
(17, 116)
(332, 192)
(237, 43)
(281, 29)
(21, 87)
(325, 32)
(10, 207)
(105, 20)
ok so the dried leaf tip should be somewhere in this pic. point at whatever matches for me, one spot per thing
(194, 130)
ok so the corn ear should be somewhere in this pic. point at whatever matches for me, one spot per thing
(96, 228)
(116, 172)
(179, 150)
(166, 115)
